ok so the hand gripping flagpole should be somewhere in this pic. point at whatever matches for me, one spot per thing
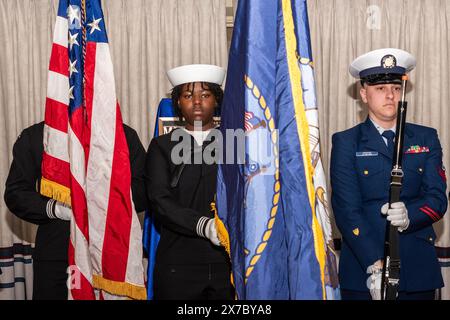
(390, 280)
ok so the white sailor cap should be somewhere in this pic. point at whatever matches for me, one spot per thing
(196, 73)
(382, 66)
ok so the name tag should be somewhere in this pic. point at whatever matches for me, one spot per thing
(367, 154)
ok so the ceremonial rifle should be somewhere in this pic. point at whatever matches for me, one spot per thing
(390, 280)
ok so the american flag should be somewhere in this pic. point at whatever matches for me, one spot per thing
(86, 158)
(250, 121)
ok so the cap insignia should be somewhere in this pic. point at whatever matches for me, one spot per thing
(388, 61)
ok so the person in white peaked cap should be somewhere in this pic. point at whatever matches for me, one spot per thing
(191, 263)
(361, 164)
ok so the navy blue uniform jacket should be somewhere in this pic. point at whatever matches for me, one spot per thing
(360, 177)
(24, 200)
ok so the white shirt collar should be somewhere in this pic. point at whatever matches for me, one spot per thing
(199, 136)
(380, 128)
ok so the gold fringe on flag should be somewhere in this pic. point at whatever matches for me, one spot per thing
(55, 191)
(123, 289)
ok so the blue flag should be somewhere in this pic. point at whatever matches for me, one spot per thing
(273, 207)
(166, 119)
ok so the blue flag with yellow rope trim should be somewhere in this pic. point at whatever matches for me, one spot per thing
(273, 208)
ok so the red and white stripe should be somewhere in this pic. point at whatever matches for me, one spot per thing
(55, 164)
(247, 125)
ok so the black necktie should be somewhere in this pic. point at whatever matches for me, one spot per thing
(389, 135)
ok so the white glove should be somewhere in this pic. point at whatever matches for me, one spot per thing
(397, 215)
(211, 232)
(374, 281)
(58, 210)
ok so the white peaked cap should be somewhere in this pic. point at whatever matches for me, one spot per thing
(382, 61)
(196, 73)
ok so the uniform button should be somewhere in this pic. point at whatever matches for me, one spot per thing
(431, 239)
(366, 172)
(420, 170)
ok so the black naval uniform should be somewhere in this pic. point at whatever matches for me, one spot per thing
(50, 256)
(187, 266)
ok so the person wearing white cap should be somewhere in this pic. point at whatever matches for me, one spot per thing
(361, 163)
(190, 262)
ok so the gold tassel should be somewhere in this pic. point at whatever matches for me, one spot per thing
(223, 236)
(222, 232)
